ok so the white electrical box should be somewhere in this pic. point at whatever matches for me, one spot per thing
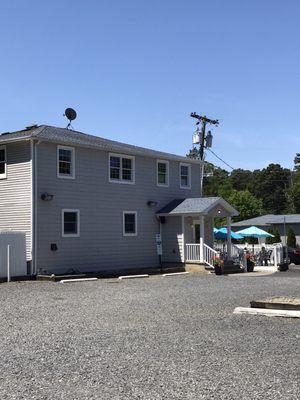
(196, 138)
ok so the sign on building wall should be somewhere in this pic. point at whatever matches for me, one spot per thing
(158, 244)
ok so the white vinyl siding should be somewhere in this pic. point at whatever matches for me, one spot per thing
(65, 162)
(16, 192)
(2, 162)
(70, 223)
(185, 176)
(121, 168)
(129, 223)
(162, 173)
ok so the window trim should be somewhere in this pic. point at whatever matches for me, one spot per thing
(125, 182)
(68, 235)
(129, 212)
(65, 176)
(167, 173)
(189, 176)
(4, 175)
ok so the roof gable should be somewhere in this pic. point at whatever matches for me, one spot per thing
(199, 205)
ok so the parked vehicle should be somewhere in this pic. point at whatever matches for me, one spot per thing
(294, 255)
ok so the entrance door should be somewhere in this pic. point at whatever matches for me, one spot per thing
(196, 233)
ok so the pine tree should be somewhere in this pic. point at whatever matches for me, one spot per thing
(270, 240)
(276, 238)
(291, 238)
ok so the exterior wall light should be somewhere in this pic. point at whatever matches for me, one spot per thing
(152, 203)
(47, 196)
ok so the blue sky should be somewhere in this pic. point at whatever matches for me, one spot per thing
(135, 69)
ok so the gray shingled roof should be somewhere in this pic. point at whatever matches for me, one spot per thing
(269, 219)
(74, 138)
(194, 206)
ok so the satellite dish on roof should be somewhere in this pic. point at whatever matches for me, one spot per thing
(70, 114)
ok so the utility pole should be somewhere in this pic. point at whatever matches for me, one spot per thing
(205, 141)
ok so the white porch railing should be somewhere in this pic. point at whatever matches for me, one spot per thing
(200, 253)
(193, 252)
(208, 255)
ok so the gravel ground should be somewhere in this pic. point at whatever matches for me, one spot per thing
(155, 338)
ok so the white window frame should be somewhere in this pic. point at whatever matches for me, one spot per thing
(4, 175)
(189, 176)
(126, 182)
(167, 173)
(66, 176)
(129, 212)
(68, 235)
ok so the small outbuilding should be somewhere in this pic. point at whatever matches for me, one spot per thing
(281, 222)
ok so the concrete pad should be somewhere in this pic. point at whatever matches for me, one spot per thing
(267, 312)
(134, 276)
(78, 280)
(261, 268)
(176, 273)
(196, 268)
(278, 303)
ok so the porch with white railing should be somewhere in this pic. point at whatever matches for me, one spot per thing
(203, 254)
(200, 253)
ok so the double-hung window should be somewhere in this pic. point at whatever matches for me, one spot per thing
(129, 223)
(2, 162)
(70, 223)
(65, 162)
(121, 168)
(162, 173)
(185, 176)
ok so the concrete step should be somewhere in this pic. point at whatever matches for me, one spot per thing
(196, 268)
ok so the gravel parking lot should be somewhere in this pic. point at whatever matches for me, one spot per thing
(155, 338)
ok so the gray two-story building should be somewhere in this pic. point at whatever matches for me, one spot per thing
(90, 204)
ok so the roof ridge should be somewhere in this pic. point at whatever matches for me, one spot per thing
(76, 138)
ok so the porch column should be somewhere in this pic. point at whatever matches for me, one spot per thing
(201, 218)
(183, 238)
(229, 238)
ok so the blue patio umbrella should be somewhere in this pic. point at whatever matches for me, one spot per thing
(254, 232)
(222, 234)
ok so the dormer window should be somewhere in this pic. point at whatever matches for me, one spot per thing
(2, 162)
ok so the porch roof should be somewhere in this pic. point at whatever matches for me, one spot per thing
(193, 206)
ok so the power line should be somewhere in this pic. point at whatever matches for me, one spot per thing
(219, 158)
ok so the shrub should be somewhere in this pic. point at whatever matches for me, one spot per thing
(291, 238)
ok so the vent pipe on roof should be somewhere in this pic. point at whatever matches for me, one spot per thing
(31, 126)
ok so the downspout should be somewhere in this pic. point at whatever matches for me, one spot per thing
(34, 207)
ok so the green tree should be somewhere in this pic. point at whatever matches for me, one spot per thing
(194, 153)
(241, 179)
(270, 185)
(247, 205)
(297, 162)
(291, 238)
(214, 179)
(276, 238)
(270, 240)
(294, 191)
